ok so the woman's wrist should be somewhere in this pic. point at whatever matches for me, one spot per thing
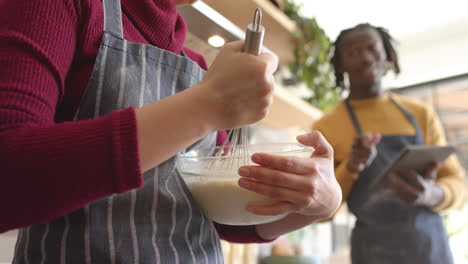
(202, 107)
(292, 222)
(167, 126)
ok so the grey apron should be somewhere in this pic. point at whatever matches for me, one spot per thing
(159, 223)
(387, 229)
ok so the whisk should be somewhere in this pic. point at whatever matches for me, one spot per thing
(239, 137)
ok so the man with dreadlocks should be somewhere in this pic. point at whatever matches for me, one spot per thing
(400, 224)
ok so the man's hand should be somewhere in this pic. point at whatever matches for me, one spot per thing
(415, 189)
(363, 152)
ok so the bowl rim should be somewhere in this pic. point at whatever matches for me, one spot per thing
(301, 148)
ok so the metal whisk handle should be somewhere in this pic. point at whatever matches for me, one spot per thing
(238, 138)
(254, 34)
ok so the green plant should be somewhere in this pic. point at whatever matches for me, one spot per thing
(312, 65)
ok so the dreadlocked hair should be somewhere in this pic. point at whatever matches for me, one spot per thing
(387, 40)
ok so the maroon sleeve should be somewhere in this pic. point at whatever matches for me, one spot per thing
(221, 137)
(239, 234)
(49, 169)
(196, 57)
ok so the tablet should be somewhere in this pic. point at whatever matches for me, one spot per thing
(416, 157)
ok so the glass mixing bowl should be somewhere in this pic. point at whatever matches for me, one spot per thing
(212, 180)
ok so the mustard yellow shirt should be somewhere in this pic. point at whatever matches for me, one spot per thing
(381, 115)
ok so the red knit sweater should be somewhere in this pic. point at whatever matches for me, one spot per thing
(50, 166)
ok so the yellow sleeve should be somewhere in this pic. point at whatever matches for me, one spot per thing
(451, 175)
(345, 178)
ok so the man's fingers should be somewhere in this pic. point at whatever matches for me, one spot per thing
(362, 154)
(431, 173)
(357, 166)
(402, 189)
(412, 178)
(370, 140)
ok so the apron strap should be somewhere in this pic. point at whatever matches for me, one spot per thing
(113, 18)
(408, 116)
(353, 116)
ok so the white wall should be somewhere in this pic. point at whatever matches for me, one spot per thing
(434, 54)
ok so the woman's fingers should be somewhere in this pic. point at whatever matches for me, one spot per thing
(274, 209)
(277, 192)
(316, 140)
(277, 178)
(300, 185)
(289, 164)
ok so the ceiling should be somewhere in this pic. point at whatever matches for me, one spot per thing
(401, 17)
(432, 36)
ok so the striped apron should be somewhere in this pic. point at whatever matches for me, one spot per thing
(159, 223)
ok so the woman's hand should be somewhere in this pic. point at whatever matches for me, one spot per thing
(237, 89)
(304, 186)
(415, 189)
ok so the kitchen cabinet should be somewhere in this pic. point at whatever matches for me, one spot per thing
(229, 19)
(278, 27)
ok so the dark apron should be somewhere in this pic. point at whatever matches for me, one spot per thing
(387, 229)
(159, 223)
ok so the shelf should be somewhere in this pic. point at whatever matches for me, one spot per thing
(290, 111)
(195, 43)
(278, 27)
(228, 19)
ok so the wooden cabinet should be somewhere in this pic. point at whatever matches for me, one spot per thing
(278, 27)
